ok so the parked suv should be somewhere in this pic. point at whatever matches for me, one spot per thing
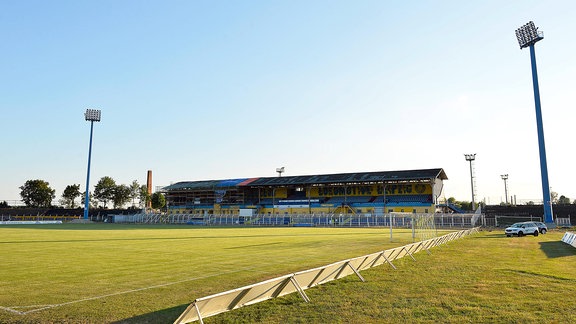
(541, 227)
(521, 229)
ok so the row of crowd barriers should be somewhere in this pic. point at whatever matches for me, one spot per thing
(30, 222)
(569, 238)
(38, 218)
(300, 281)
(304, 220)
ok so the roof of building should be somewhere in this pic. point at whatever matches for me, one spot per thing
(356, 177)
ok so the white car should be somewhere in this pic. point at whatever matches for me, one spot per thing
(542, 227)
(521, 229)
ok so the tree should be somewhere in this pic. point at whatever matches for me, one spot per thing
(144, 197)
(121, 196)
(466, 205)
(104, 190)
(4, 204)
(134, 192)
(451, 200)
(554, 197)
(158, 200)
(71, 192)
(563, 200)
(83, 200)
(37, 193)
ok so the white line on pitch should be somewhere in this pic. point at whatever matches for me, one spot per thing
(11, 310)
(43, 307)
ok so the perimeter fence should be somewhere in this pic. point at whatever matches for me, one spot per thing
(397, 220)
(300, 281)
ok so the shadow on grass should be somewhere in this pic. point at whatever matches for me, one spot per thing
(490, 235)
(168, 315)
(557, 249)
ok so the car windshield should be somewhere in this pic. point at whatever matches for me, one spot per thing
(517, 225)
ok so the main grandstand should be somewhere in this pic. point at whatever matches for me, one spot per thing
(375, 193)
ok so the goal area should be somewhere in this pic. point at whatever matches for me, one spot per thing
(424, 227)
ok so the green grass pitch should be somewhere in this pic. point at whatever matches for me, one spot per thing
(109, 272)
(104, 273)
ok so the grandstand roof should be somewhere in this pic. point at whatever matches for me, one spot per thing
(357, 177)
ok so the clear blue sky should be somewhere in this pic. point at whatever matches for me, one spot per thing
(197, 90)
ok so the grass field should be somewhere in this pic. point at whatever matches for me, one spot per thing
(485, 278)
(108, 272)
(105, 273)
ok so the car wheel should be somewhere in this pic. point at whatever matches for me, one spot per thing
(543, 231)
(536, 233)
(508, 235)
(520, 234)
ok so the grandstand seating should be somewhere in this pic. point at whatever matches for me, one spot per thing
(352, 201)
(349, 200)
(409, 200)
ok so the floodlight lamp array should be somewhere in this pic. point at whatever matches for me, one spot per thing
(528, 35)
(470, 157)
(504, 177)
(92, 115)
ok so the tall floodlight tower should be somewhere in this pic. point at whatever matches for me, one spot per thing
(527, 36)
(505, 177)
(91, 115)
(470, 158)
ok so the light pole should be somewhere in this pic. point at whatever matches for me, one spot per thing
(91, 115)
(505, 177)
(527, 36)
(470, 158)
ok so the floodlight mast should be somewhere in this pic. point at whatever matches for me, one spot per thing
(470, 158)
(505, 177)
(91, 115)
(527, 36)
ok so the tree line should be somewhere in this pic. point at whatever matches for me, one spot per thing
(554, 197)
(38, 193)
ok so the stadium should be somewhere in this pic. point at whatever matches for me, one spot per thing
(374, 193)
(193, 88)
(371, 231)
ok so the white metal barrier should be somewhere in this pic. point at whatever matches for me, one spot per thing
(30, 222)
(569, 238)
(563, 222)
(300, 281)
